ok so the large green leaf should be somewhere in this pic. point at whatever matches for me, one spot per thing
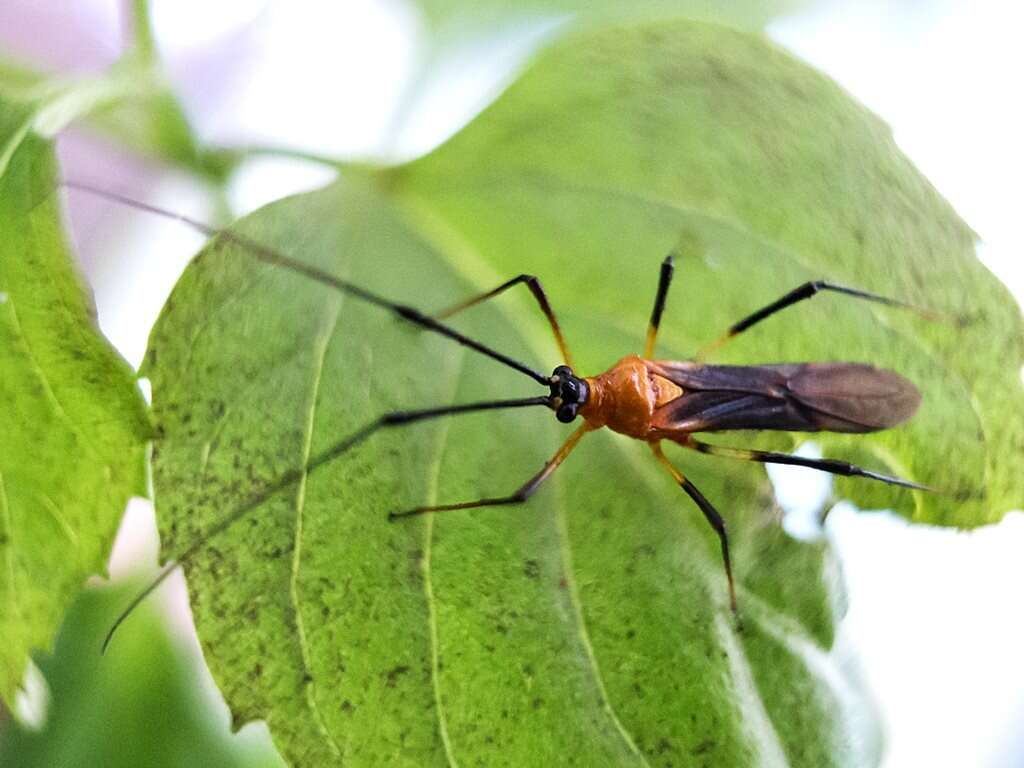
(591, 626)
(592, 622)
(74, 425)
(687, 136)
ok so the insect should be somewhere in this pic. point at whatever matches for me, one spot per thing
(646, 399)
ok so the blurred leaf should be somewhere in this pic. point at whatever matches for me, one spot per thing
(746, 14)
(16, 78)
(148, 118)
(475, 49)
(592, 622)
(131, 103)
(74, 423)
(143, 704)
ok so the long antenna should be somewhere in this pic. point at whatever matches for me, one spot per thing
(270, 256)
(393, 419)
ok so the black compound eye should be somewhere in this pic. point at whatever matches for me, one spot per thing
(562, 370)
(570, 390)
(566, 413)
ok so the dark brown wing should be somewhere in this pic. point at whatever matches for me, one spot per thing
(798, 397)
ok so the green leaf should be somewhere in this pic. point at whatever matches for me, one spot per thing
(74, 423)
(748, 14)
(143, 705)
(591, 623)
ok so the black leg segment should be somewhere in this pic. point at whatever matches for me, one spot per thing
(832, 466)
(525, 491)
(714, 519)
(537, 290)
(267, 255)
(664, 281)
(798, 294)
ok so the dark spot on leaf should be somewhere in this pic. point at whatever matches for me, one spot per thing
(531, 569)
(645, 550)
(705, 746)
(393, 674)
(720, 72)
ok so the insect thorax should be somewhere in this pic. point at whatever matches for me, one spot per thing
(622, 398)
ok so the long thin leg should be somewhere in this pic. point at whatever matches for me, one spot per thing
(267, 255)
(292, 476)
(525, 491)
(805, 291)
(710, 514)
(664, 280)
(538, 293)
(832, 466)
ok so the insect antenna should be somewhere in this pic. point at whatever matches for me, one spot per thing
(292, 476)
(270, 256)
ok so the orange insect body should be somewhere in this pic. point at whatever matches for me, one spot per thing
(625, 397)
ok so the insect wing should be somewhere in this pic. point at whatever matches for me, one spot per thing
(798, 397)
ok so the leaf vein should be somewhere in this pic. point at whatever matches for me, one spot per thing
(565, 549)
(428, 587)
(50, 506)
(8, 547)
(48, 389)
(322, 343)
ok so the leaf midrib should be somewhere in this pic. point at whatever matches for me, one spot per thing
(321, 343)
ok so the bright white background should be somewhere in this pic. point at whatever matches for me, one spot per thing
(935, 615)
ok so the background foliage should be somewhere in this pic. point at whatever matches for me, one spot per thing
(74, 424)
(144, 706)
